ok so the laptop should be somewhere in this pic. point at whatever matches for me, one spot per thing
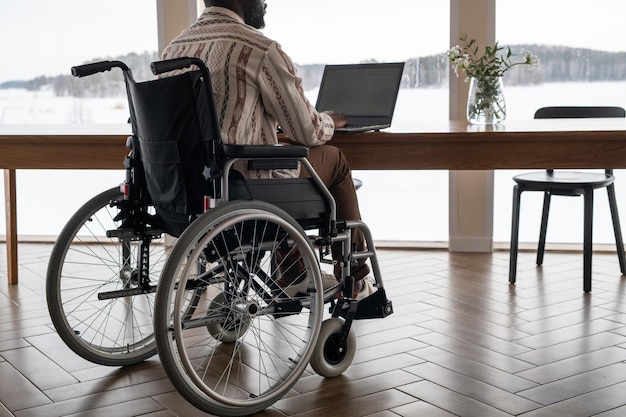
(365, 93)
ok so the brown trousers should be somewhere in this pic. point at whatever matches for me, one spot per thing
(333, 168)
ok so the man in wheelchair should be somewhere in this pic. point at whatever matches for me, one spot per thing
(256, 89)
(234, 307)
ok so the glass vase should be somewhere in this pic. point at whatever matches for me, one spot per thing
(485, 101)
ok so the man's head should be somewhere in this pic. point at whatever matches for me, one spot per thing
(252, 11)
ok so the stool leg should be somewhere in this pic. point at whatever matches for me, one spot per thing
(587, 239)
(514, 234)
(541, 248)
(617, 228)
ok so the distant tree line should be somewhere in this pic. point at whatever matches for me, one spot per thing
(577, 64)
(106, 84)
(557, 64)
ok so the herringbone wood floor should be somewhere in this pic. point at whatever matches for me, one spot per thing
(461, 342)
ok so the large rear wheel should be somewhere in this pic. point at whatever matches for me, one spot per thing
(247, 341)
(97, 302)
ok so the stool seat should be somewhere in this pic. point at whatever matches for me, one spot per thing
(563, 180)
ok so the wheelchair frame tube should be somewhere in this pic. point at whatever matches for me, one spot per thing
(371, 252)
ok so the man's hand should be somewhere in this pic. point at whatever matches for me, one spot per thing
(339, 119)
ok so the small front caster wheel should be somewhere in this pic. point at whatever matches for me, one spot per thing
(331, 357)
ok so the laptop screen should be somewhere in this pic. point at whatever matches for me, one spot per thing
(361, 90)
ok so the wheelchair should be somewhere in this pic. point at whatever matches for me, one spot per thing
(189, 258)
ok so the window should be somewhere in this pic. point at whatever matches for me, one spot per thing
(580, 44)
(344, 32)
(41, 44)
(36, 86)
(340, 32)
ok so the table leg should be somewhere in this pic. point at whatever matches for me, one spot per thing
(11, 224)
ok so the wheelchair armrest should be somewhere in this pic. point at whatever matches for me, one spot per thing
(265, 151)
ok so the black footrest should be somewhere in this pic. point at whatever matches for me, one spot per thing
(132, 234)
(376, 306)
(130, 292)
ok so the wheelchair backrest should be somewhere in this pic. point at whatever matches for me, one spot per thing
(171, 120)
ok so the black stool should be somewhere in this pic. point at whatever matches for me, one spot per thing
(567, 183)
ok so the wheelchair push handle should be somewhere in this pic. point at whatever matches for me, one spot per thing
(159, 67)
(95, 67)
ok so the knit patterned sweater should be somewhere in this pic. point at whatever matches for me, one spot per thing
(255, 83)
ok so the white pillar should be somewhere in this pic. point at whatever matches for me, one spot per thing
(172, 17)
(470, 192)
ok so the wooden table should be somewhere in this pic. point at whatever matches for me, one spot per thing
(584, 143)
(515, 145)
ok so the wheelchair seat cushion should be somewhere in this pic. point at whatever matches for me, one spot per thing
(299, 197)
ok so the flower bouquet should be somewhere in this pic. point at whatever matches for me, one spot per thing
(486, 100)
